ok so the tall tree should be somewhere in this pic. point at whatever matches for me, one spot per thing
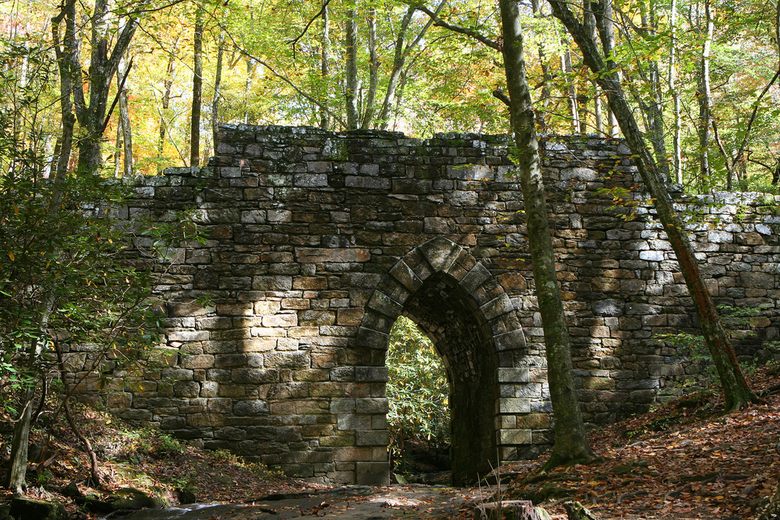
(574, 108)
(125, 127)
(571, 445)
(373, 70)
(325, 65)
(92, 109)
(217, 91)
(165, 102)
(704, 96)
(675, 93)
(351, 70)
(403, 50)
(197, 88)
(735, 388)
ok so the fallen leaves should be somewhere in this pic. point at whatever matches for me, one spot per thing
(680, 462)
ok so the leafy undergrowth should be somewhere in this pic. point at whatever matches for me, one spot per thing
(143, 459)
(684, 460)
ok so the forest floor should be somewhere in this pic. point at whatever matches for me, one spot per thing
(686, 459)
(683, 460)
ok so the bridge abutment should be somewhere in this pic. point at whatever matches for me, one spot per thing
(278, 322)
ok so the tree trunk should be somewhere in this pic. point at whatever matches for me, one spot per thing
(351, 81)
(704, 96)
(90, 150)
(736, 391)
(63, 51)
(197, 89)
(103, 64)
(674, 92)
(654, 107)
(21, 438)
(166, 103)
(541, 115)
(91, 116)
(598, 109)
(20, 444)
(217, 92)
(250, 73)
(124, 120)
(399, 58)
(572, 90)
(571, 443)
(373, 71)
(607, 29)
(118, 153)
(325, 67)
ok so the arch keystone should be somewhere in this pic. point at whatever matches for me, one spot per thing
(440, 253)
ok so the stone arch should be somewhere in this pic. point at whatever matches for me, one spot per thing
(475, 328)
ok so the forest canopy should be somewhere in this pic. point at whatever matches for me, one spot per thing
(702, 76)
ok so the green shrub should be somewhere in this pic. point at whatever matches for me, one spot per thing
(417, 390)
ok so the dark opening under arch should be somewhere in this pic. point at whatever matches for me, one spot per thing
(453, 322)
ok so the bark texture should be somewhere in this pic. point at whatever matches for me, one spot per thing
(350, 92)
(736, 390)
(197, 90)
(570, 444)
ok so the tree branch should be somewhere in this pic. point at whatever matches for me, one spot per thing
(116, 97)
(295, 40)
(501, 96)
(457, 28)
(281, 76)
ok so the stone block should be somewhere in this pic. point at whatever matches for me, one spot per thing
(367, 183)
(371, 374)
(652, 256)
(278, 216)
(186, 389)
(371, 405)
(350, 317)
(350, 421)
(513, 405)
(513, 340)
(311, 180)
(440, 253)
(514, 437)
(497, 307)
(382, 303)
(475, 277)
(372, 473)
(372, 438)
(250, 407)
(272, 283)
(280, 320)
(513, 375)
(368, 338)
(316, 255)
(255, 216)
(578, 174)
(287, 360)
(405, 276)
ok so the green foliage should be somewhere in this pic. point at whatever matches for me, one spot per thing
(65, 272)
(417, 390)
(167, 446)
(62, 278)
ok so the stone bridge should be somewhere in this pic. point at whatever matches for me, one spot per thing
(278, 324)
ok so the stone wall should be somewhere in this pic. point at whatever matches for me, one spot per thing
(277, 325)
